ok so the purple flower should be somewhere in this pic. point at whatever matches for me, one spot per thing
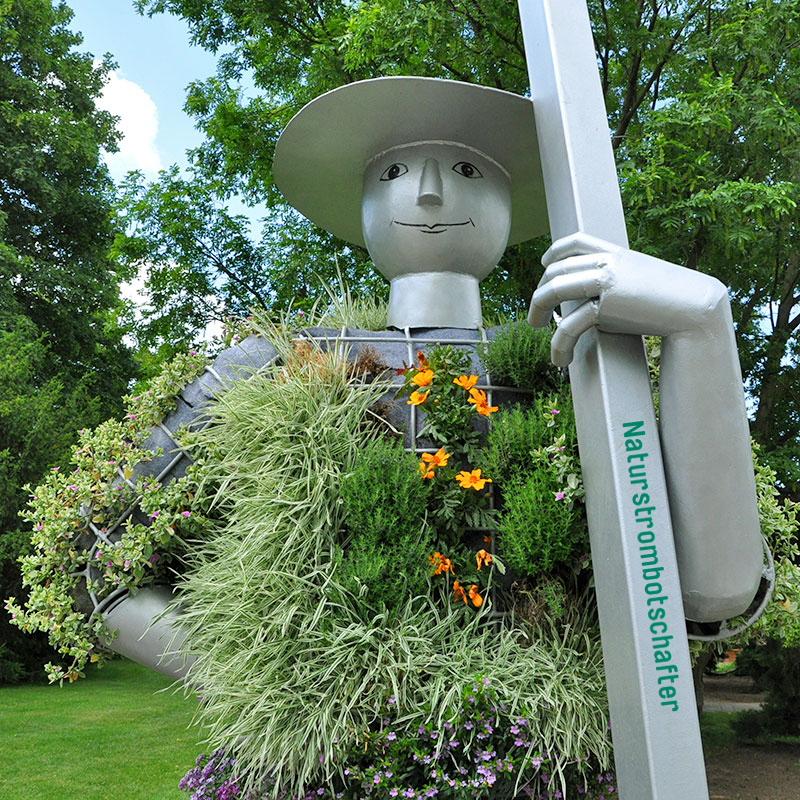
(391, 736)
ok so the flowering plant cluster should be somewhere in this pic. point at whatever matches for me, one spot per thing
(439, 384)
(485, 750)
(86, 538)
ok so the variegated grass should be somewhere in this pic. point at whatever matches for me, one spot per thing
(290, 666)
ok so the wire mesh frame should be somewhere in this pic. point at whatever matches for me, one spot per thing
(412, 343)
(106, 604)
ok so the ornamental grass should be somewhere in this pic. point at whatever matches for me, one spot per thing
(296, 665)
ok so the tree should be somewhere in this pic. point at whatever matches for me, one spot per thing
(63, 365)
(702, 102)
(200, 265)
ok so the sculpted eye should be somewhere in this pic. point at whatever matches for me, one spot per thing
(467, 170)
(394, 171)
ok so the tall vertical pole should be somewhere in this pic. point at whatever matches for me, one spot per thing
(655, 730)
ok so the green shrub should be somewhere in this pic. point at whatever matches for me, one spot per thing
(518, 432)
(384, 503)
(776, 671)
(538, 529)
(519, 355)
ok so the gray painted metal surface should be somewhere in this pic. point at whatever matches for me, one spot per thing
(148, 632)
(424, 172)
(656, 735)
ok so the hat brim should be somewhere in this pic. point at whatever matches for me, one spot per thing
(321, 155)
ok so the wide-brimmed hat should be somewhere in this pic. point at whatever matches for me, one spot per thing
(321, 155)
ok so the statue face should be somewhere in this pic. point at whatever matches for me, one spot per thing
(433, 207)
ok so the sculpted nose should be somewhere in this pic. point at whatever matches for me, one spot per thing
(430, 184)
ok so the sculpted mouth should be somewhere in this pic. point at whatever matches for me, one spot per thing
(437, 227)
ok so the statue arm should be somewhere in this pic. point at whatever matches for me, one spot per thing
(703, 425)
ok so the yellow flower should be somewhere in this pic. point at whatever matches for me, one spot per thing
(478, 398)
(483, 558)
(422, 378)
(438, 459)
(477, 600)
(427, 472)
(472, 480)
(417, 399)
(466, 382)
(459, 592)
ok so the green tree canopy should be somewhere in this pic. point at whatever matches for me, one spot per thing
(702, 103)
(63, 365)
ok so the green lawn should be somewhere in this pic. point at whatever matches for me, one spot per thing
(109, 737)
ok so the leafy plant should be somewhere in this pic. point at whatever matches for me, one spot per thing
(538, 528)
(519, 355)
(483, 752)
(70, 513)
(384, 510)
(296, 668)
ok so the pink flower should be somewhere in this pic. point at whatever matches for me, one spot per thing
(187, 513)
(559, 495)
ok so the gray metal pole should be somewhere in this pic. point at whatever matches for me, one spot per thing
(655, 729)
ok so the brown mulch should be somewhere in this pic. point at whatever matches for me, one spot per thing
(748, 772)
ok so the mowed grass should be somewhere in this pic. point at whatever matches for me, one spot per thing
(108, 737)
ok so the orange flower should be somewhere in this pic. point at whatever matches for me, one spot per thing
(422, 378)
(487, 539)
(427, 472)
(459, 592)
(417, 399)
(440, 564)
(483, 558)
(421, 360)
(438, 459)
(472, 480)
(478, 398)
(477, 600)
(466, 382)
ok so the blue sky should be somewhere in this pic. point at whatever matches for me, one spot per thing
(156, 63)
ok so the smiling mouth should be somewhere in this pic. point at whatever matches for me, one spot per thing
(438, 227)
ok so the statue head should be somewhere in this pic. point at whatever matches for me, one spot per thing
(434, 177)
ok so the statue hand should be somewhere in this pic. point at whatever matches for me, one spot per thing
(621, 291)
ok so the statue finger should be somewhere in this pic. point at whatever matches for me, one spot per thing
(571, 328)
(567, 266)
(578, 286)
(576, 245)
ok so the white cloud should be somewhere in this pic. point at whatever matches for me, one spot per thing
(138, 123)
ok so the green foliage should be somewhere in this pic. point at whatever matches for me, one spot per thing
(63, 365)
(776, 671)
(538, 530)
(519, 355)
(533, 453)
(295, 668)
(384, 507)
(518, 432)
(778, 517)
(70, 506)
